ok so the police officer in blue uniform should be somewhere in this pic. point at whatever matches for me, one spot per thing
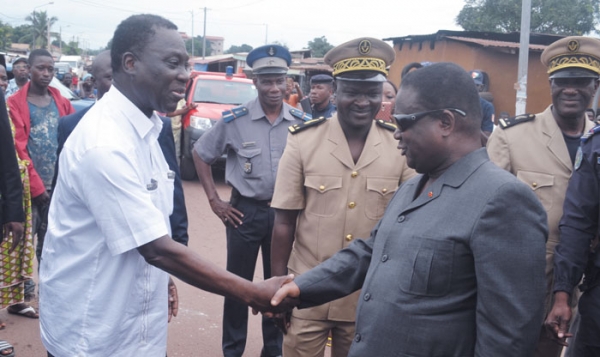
(577, 254)
(321, 94)
(253, 136)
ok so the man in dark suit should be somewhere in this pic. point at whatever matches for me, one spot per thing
(11, 193)
(12, 215)
(102, 78)
(456, 265)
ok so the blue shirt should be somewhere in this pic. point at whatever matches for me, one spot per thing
(43, 142)
(487, 110)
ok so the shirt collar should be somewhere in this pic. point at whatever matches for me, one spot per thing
(147, 128)
(256, 111)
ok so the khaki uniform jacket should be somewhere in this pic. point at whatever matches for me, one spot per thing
(537, 154)
(339, 200)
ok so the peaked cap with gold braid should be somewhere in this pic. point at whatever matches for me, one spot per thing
(362, 59)
(573, 56)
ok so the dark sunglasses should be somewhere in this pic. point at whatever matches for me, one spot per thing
(405, 121)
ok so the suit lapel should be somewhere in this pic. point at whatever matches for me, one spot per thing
(556, 141)
(455, 176)
(340, 149)
(370, 151)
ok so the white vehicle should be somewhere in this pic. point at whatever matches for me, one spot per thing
(76, 63)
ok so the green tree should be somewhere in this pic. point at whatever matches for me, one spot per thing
(560, 17)
(237, 49)
(5, 35)
(40, 23)
(21, 33)
(319, 46)
(197, 46)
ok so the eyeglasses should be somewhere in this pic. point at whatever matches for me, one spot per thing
(405, 121)
(22, 66)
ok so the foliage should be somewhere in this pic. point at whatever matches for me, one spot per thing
(237, 49)
(573, 17)
(282, 44)
(319, 46)
(197, 46)
(21, 33)
(5, 35)
(40, 24)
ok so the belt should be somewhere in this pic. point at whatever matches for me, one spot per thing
(263, 203)
(236, 197)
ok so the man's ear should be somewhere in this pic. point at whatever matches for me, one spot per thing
(447, 122)
(128, 62)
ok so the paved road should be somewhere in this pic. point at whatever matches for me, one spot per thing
(196, 331)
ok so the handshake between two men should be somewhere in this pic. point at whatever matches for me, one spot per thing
(276, 298)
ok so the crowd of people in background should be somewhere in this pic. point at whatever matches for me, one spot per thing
(391, 219)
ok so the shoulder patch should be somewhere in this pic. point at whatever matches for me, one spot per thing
(507, 123)
(585, 137)
(300, 114)
(296, 128)
(386, 125)
(234, 113)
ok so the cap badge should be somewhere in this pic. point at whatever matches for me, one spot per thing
(573, 45)
(364, 47)
(271, 51)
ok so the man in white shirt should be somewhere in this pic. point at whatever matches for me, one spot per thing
(103, 280)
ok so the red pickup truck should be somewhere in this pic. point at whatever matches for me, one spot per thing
(213, 92)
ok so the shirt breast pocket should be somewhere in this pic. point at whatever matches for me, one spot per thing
(323, 194)
(541, 184)
(380, 191)
(161, 190)
(426, 267)
(249, 161)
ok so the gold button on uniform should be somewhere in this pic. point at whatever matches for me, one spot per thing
(322, 188)
(349, 237)
(384, 190)
(534, 185)
(351, 205)
(354, 174)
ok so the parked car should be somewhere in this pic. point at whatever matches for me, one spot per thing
(60, 68)
(214, 92)
(76, 102)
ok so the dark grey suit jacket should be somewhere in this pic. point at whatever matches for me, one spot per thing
(456, 271)
(11, 189)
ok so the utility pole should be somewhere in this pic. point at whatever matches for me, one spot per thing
(266, 34)
(204, 36)
(521, 85)
(192, 33)
(48, 25)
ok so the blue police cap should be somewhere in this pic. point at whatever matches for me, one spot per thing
(269, 59)
(321, 78)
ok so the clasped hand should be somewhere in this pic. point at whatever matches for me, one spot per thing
(279, 295)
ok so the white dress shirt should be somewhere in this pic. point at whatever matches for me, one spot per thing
(114, 193)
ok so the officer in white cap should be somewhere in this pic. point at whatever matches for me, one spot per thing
(335, 180)
(541, 149)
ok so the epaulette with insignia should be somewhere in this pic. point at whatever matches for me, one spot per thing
(300, 114)
(386, 125)
(234, 113)
(296, 128)
(507, 123)
(590, 133)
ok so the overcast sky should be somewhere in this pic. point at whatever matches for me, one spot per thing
(293, 23)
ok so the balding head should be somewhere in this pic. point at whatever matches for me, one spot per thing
(102, 72)
(446, 85)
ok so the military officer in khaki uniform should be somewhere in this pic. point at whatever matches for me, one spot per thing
(540, 149)
(334, 181)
